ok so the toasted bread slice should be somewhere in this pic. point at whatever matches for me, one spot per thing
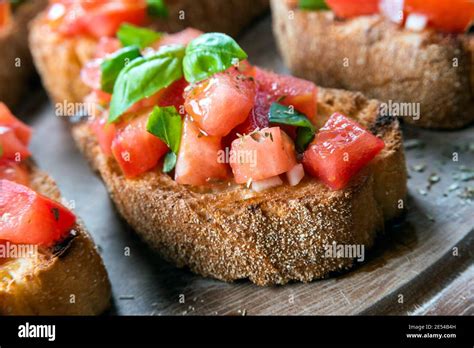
(372, 55)
(230, 232)
(16, 65)
(59, 60)
(70, 279)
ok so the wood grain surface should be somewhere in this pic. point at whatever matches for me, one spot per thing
(420, 265)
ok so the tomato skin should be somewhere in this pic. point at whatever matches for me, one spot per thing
(452, 16)
(13, 171)
(22, 131)
(221, 102)
(94, 17)
(198, 158)
(173, 95)
(106, 46)
(299, 93)
(183, 37)
(5, 13)
(30, 218)
(269, 152)
(353, 8)
(136, 150)
(339, 151)
(105, 133)
(13, 148)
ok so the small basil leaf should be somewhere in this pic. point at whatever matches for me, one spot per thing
(170, 162)
(157, 8)
(303, 137)
(209, 54)
(144, 77)
(131, 35)
(111, 67)
(312, 5)
(282, 114)
(166, 124)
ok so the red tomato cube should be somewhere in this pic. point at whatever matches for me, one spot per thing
(30, 218)
(262, 155)
(199, 159)
(340, 150)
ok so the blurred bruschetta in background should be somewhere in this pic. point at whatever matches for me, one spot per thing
(416, 56)
(16, 66)
(66, 34)
(49, 264)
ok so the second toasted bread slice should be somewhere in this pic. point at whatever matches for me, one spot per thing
(68, 279)
(374, 56)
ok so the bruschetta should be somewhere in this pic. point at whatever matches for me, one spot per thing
(66, 35)
(16, 65)
(415, 56)
(49, 264)
(236, 171)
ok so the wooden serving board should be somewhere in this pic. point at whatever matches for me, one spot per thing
(422, 265)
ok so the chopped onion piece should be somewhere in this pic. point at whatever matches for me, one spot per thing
(416, 22)
(262, 185)
(392, 9)
(295, 174)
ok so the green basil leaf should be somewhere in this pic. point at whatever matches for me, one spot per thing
(166, 124)
(170, 162)
(157, 8)
(282, 114)
(209, 54)
(111, 67)
(312, 5)
(144, 77)
(131, 35)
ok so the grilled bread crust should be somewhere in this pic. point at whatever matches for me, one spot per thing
(229, 232)
(59, 60)
(16, 65)
(381, 60)
(71, 280)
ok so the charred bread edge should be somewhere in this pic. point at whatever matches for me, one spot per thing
(47, 283)
(386, 62)
(272, 237)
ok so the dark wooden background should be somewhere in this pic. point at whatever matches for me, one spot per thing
(424, 265)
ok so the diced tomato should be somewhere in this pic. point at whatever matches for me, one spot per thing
(289, 90)
(199, 159)
(91, 74)
(136, 150)
(12, 147)
(105, 133)
(272, 87)
(22, 131)
(97, 18)
(262, 155)
(340, 150)
(27, 217)
(106, 46)
(13, 171)
(173, 95)
(182, 37)
(353, 8)
(221, 102)
(445, 15)
(5, 13)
